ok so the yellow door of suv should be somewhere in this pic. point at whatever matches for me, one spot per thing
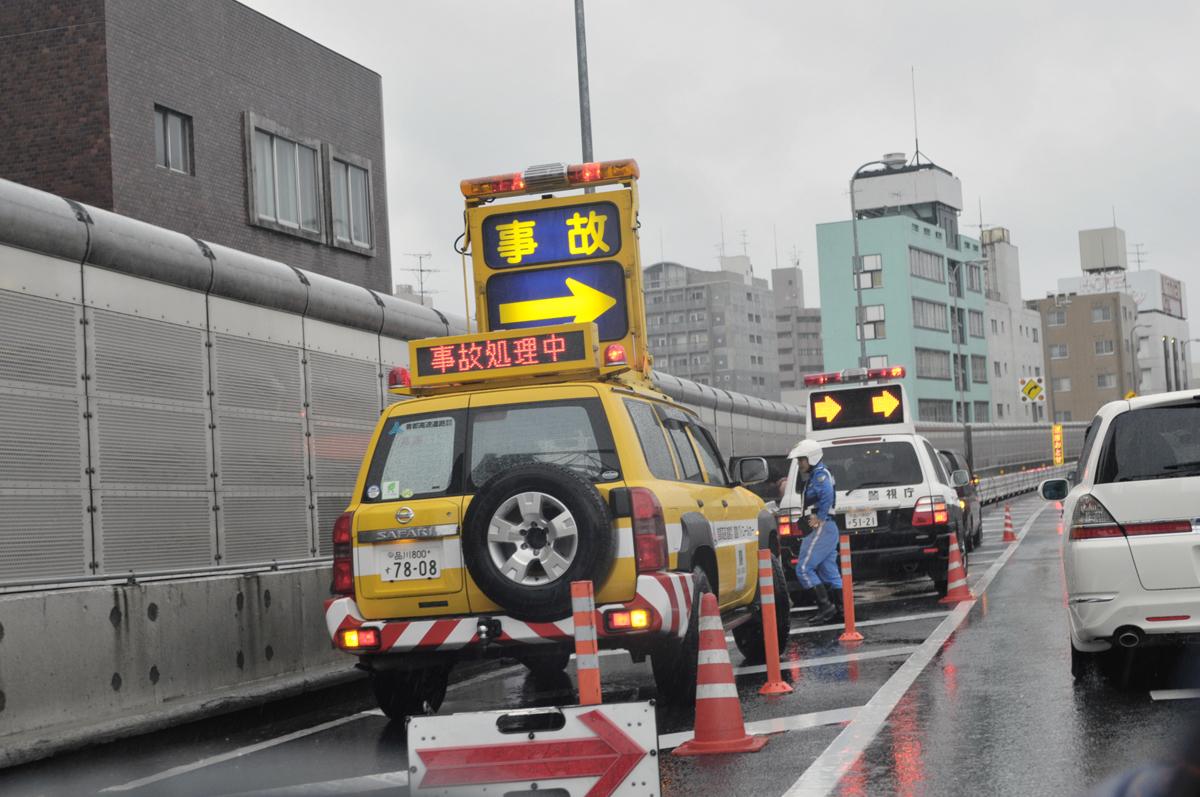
(407, 524)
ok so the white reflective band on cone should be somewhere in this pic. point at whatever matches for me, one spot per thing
(585, 633)
(711, 624)
(588, 661)
(712, 657)
(708, 691)
(767, 599)
(956, 584)
(581, 605)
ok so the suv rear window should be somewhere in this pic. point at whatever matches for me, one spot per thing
(1152, 443)
(889, 464)
(571, 433)
(418, 456)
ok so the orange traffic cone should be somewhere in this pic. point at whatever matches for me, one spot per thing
(1009, 536)
(956, 578)
(719, 725)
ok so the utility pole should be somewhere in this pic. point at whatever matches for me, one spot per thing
(585, 102)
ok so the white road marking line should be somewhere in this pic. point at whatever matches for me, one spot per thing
(358, 785)
(1174, 694)
(796, 722)
(822, 777)
(241, 751)
(822, 661)
(813, 629)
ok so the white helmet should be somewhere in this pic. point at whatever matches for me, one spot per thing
(810, 449)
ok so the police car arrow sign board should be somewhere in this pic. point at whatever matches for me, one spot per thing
(583, 750)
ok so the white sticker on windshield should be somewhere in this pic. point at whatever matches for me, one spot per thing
(391, 491)
(373, 492)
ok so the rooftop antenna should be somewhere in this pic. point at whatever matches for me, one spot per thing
(420, 270)
(795, 257)
(745, 242)
(916, 134)
(661, 257)
(1138, 255)
(722, 235)
(775, 240)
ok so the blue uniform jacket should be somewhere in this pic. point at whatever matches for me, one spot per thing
(819, 491)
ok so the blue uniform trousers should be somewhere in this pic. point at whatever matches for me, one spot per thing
(818, 559)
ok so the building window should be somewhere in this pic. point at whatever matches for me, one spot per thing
(1104, 347)
(1034, 332)
(933, 364)
(937, 410)
(996, 367)
(958, 330)
(995, 329)
(1104, 381)
(974, 278)
(1037, 370)
(1101, 313)
(999, 410)
(979, 368)
(975, 318)
(696, 296)
(1062, 417)
(1056, 317)
(350, 196)
(960, 372)
(925, 265)
(173, 140)
(1058, 351)
(981, 412)
(930, 315)
(285, 189)
(871, 326)
(872, 272)
(1061, 384)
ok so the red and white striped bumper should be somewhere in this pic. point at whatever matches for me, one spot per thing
(666, 596)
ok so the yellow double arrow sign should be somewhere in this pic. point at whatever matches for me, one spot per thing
(884, 404)
(584, 305)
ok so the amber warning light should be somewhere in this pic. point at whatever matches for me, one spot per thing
(550, 177)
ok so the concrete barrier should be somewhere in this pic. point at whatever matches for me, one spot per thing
(79, 666)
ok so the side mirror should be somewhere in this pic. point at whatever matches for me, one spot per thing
(960, 478)
(750, 470)
(1054, 489)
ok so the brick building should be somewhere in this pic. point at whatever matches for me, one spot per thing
(207, 118)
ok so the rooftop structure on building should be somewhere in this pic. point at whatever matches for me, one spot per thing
(1014, 331)
(798, 334)
(210, 119)
(922, 291)
(715, 327)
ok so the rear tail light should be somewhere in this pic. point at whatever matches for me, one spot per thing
(930, 511)
(1091, 521)
(784, 522)
(626, 620)
(343, 561)
(359, 639)
(1159, 527)
(649, 530)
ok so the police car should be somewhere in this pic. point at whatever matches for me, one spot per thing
(895, 497)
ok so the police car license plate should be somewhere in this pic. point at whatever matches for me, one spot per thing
(862, 520)
(410, 561)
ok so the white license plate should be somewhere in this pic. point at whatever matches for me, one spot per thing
(862, 520)
(410, 561)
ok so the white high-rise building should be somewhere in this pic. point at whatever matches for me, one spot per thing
(1161, 309)
(1014, 332)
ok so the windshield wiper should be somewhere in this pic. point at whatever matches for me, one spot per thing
(872, 484)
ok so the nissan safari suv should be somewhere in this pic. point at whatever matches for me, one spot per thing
(473, 513)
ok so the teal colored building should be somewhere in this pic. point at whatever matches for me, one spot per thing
(916, 268)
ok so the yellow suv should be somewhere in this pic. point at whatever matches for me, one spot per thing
(475, 509)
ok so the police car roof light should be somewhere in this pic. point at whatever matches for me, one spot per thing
(550, 177)
(614, 354)
(891, 372)
(816, 380)
(602, 171)
(513, 183)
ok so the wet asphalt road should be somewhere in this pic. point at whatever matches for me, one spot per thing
(934, 701)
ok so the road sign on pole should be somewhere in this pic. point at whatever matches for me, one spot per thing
(1033, 388)
(582, 751)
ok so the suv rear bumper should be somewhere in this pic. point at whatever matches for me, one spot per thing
(666, 597)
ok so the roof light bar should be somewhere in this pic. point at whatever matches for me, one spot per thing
(550, 177)
(851, 375)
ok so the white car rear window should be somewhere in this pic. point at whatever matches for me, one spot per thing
(884, 464)
(1152, 443)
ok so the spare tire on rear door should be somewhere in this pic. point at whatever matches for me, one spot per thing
(530, 532)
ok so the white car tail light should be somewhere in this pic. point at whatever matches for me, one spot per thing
(1091, 521)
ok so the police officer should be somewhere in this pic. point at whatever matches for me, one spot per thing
(817, 565)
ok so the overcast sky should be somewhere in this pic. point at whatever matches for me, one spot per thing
(1050, 113)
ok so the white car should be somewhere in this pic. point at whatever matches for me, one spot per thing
(1131, 547)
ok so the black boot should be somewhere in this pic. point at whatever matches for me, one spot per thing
(835, 595)
(825, 610)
